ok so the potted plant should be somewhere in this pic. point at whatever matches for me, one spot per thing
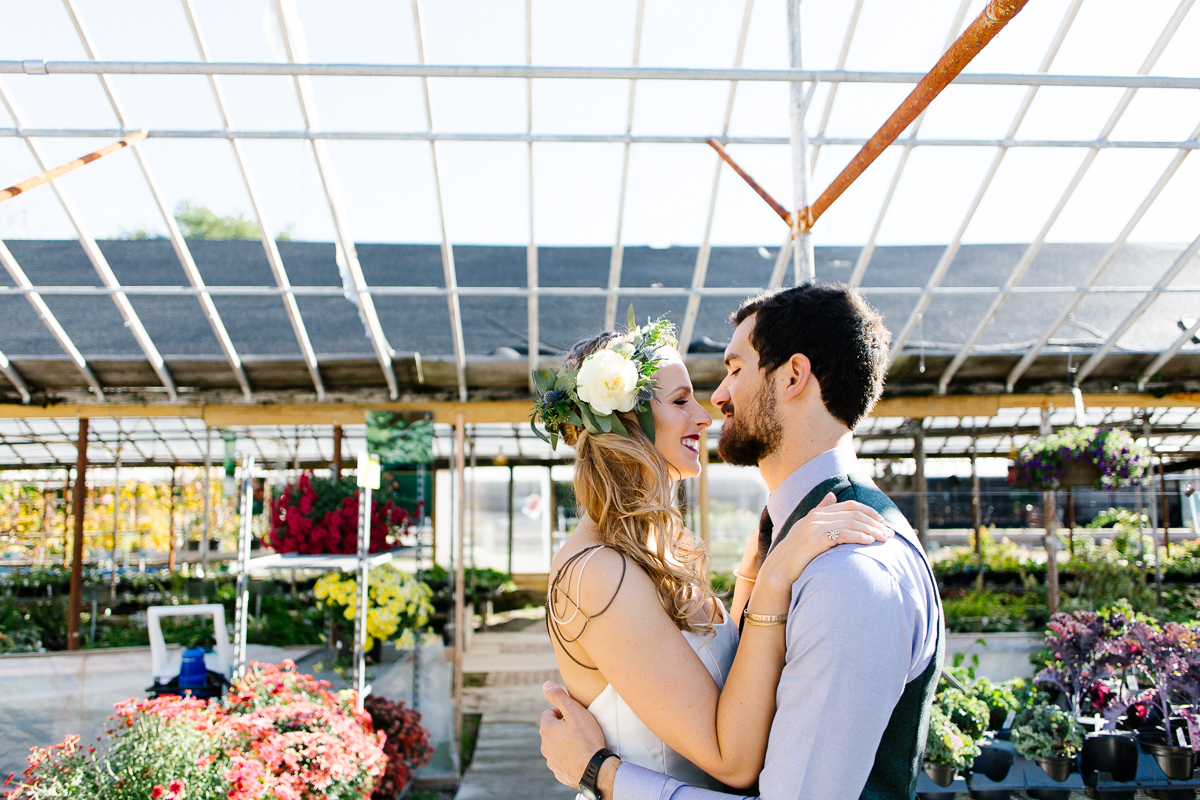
(319, 516)
(1051, 738)
(969, 714)
(1081, 657)
(947, 749)
(1000, 699)
(1101, 458)
(1166, 657)
(398, 605)
(406, 747)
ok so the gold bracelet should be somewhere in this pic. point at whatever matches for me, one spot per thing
(737, 574)
(765, 620)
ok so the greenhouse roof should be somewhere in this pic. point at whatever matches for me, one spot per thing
(437, 188)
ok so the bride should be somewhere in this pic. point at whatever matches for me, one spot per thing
(639, 637)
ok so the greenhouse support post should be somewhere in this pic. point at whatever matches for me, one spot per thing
(336, 466)
(920, 486)
(512, 489)
(171, 525)
(78, 501)
(976, 518)
(242, 607)
(207, 533)
(367, 480)
(459, 598)
(1050, 520)
(420, 638)
(112, 586)
(1153, 509)
(1162, 499)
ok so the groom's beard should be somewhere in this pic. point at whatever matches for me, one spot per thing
(748, 437)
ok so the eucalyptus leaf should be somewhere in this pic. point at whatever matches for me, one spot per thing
(566, 381)
(618, 426)
(553, 441)
(589, 419)
(645, 416)
(533, 427)
(604, 423)
(632, 319)
(543, 380)
(574, 419)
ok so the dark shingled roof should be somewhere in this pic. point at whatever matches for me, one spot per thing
(262, 335)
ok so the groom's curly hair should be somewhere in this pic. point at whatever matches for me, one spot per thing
(844, 339)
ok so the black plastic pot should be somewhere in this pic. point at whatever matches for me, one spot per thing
(1049, 794)
(1058, 768)
(1177, 762)
(1114, 753)
(993, 763)
(1172, 794)
(941, 774)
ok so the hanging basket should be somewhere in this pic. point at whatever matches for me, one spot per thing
(1080, 474)
(1079, 457)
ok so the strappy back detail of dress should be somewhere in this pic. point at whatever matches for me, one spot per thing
(553, 623)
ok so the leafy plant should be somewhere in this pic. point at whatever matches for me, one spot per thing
(320, 515)
(1073, 640)
(280, 734)
(946, 744)
(1049, 732)
(1168, 659)
(407, 745)
(969, 714)
(1000, 698)
(398, 604)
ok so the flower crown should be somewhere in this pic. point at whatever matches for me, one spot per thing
(610, 381)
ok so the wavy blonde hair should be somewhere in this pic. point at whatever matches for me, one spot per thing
(624, 485)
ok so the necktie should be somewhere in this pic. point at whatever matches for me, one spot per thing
(766, 533)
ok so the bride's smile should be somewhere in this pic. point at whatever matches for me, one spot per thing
(678, 419)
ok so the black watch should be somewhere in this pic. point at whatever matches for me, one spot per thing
(587, 785)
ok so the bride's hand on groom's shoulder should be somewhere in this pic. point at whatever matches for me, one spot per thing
(570, 735)
(829, 524)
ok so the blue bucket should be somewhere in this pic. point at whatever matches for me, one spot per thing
(192, 672)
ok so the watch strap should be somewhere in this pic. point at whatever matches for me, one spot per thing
(587, 785)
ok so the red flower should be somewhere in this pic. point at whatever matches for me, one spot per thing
(157, 792)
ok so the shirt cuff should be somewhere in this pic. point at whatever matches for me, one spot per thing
(638, 783)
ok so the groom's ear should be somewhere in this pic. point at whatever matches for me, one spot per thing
(795, 374)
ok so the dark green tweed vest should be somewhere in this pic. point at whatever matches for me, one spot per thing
(898, 759)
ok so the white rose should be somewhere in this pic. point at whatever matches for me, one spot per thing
(608, 382)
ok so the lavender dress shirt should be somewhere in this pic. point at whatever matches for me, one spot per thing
(863, 623)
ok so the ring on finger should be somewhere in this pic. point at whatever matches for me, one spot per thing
(833, 535)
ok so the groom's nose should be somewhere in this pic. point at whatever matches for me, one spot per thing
(721, 396)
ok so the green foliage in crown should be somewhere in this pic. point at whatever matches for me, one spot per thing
(610, 382)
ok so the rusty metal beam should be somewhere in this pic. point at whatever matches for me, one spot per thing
(63, 169)
(783, 213)
(868, 249)
(990, 22)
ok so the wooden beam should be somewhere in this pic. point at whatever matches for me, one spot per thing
(79, 505)
(517, 411)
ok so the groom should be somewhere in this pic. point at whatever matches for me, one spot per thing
(864, 631)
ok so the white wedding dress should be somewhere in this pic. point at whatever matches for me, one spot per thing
(628, 736)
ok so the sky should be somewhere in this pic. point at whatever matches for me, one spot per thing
(389, 189)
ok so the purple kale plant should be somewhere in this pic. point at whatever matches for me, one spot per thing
(1167, 658)
(1081, 644)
